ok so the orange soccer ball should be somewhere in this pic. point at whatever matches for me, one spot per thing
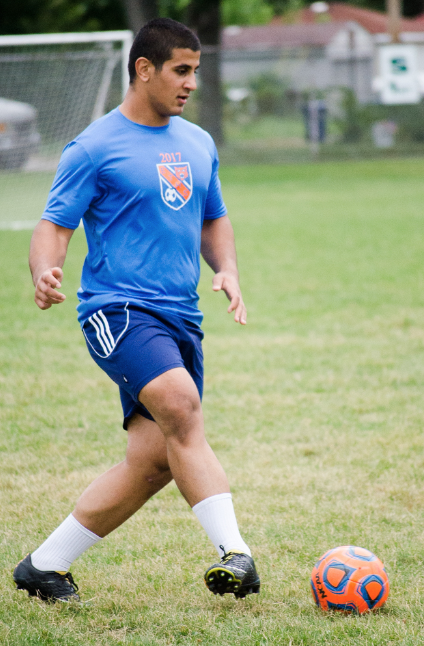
(349, 579)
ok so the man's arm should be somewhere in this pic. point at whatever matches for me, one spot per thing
(219, 250)
(49, 244)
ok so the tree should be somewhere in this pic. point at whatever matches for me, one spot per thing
(246, 12)
(140, 11)
(55, 16)
(205, 17)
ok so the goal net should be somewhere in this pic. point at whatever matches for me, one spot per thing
(51, 87)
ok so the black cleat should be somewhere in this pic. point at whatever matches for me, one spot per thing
(48, 586)
(236, 573)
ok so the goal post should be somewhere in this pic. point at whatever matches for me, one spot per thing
(68, 80)
(52, 86)
(122, 37)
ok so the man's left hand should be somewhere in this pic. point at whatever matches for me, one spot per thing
(229, 283)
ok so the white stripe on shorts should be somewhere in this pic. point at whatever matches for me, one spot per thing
(103, 333)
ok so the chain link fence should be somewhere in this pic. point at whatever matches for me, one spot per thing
(312, 102)
(292, 105)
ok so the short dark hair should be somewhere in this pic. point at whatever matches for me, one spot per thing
(157, 39)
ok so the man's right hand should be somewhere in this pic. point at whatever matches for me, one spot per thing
(45, 289)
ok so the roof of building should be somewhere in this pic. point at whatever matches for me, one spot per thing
(277, 35)
(375, 22)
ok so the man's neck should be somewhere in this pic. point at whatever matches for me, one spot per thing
(135, 108)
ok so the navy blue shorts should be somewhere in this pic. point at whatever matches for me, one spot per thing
(134, 345)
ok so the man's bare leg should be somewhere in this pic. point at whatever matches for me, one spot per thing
(173, 400)
(110, 499)
(176, 447)
(117, 494)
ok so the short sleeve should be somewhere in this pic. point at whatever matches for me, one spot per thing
(215, 206)
(74, 188)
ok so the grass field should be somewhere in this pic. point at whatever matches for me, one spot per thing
(23, 196)
(316, 410)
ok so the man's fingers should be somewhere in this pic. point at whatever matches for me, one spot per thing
(241, 314)
(45, 292)
(233, 304)
(50, 294)
(52, 277)
(42, 304)
(232, 291)
(217, 282)
(52, 282)
(57, 273)
(240, 310)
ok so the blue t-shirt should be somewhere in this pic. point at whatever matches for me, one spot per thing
(143, 193)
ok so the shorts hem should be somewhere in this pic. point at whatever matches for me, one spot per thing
(140, 386)
(157, 373)
(135, 409)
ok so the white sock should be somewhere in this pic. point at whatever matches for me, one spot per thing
(217, 517)
(62, 547)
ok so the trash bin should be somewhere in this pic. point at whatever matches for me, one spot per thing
(383, 133)
(315, 118)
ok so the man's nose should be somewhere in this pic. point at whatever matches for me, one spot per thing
(190, 83)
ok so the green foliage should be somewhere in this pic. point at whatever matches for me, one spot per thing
(50, 16)
(47, 16)
(175, 9)
(351, 124)
(270, 94)
(357, 120)
(246, 12)
(408, 118)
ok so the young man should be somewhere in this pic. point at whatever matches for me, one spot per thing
(146, 184)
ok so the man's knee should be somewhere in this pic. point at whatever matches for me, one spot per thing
(146, 451)
(180, 416)
(174, 401)
(153, 469)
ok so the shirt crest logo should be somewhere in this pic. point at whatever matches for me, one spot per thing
(176, 184)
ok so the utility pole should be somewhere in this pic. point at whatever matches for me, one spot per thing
(394, 13)
(352, 61)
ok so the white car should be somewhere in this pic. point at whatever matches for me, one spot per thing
(18, 133)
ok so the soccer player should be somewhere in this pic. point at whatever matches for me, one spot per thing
(145, 182)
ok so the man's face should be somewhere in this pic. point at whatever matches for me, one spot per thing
(169, 88)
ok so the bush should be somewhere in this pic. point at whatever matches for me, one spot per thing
(357, 120)
(272, 94)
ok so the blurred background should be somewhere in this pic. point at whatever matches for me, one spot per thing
(281, 80)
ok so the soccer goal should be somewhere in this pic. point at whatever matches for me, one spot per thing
(51, 87)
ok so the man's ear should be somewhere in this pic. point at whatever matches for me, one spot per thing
(144, 69)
